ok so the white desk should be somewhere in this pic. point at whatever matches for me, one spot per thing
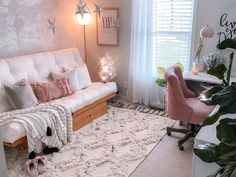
(204, 77)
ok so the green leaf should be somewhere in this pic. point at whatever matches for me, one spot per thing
(226, 131)
(213, 119)
(227, 43)
(161, 82)
(230, 67)
(225, 152)
(208, 93)
(221, 154)
(206, 152)
(218, 71)
(226, 98)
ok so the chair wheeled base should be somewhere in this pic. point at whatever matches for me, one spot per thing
(189, 133)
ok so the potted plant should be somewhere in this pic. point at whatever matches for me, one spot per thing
(161, 72)
(224, 95)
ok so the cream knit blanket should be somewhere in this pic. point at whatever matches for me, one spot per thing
(35, 120)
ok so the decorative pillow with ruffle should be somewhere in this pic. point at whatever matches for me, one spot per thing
(47, 91)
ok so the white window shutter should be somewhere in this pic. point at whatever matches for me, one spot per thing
(172, 33)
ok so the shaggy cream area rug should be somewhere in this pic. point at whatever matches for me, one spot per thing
(110, 146)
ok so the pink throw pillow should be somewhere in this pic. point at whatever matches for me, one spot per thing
(47, 91)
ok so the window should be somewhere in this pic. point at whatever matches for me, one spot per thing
(172, 33)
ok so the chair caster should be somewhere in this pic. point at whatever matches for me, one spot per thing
(181, 148)
(168, 133)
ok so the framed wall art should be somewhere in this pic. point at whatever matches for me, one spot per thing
(107, 33)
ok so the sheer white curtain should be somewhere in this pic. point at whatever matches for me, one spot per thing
(141, 86)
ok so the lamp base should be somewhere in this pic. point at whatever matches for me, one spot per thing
(199, 67)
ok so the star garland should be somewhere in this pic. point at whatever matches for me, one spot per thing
(82, 8)
(52, 25)
(98, 8)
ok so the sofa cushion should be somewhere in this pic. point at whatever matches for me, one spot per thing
(21, 95)
(72, 77)
(83, 75)
(47, 91)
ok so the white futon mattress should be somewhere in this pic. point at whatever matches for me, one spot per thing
(14, 131)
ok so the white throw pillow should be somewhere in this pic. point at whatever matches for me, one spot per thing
(21, 95)
(83, 75)
(72, 76)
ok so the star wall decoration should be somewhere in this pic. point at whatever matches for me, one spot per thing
(52, 25)
(82, 9)
(99, 8)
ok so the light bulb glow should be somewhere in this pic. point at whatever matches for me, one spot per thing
(85, 20)
(107, 69)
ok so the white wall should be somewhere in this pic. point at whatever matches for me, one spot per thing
(119, 53)
(24, 26)
(209, 13)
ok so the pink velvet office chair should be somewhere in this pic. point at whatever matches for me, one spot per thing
(183, 105)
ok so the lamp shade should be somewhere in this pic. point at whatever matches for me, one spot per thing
(83, 20)
(207, 32)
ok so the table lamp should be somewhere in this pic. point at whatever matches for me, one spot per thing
(206, 32)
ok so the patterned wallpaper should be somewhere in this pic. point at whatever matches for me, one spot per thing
(28, 26)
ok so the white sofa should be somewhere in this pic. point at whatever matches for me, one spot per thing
(37, 67)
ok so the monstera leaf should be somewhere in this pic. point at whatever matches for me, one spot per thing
(226, 98)
(220, 154)
(227, 43)
(226, 131)
(206, 152)
(224, 154)
(218, 71)
(205, 95)
(213, 119)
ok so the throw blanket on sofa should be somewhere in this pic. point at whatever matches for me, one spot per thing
(36, 120)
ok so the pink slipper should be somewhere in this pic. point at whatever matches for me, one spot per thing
(31, 168)
(40, 160)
